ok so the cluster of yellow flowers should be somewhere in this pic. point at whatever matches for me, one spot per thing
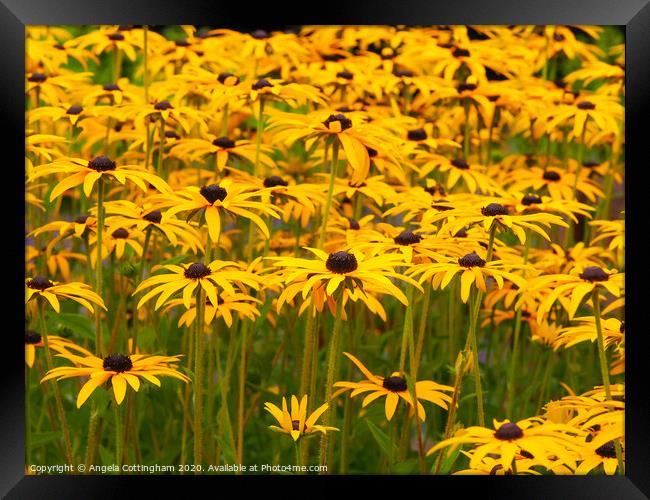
(398, 181)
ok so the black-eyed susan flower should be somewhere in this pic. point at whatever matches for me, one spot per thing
(78, 171)
(474, 269)
(580, 282)
(296, 423)
(352, 271)
(540, 439)
(213, 199)
(120, 369)
(393, 388)
(58, 344)
(223, 274)
(39, 286)
(495, 215)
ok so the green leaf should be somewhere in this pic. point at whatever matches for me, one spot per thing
(78, 324)
(42, 438)
(448, 460)
(387, 447)
(409, 466)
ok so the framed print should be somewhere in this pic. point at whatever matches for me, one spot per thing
(373, 246)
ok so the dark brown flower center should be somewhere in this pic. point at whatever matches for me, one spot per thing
(354, 224)
(111, 86)
(530, 199)
(494, 209)
(117, 363)
(224, 142)
(74, 110)
(154, 216)
(82, 219)
(508, 432)
(345, 122)
(460, 163)
(275, 180)
(551, 175)
(419, 134)
(558, 37)
(295, 425)
(39, 283)
(471, 260)
(37, 78)
(162, 105)
(458, 52)
(170, 134)
(608, 450)
(341, 262)
(346, 75)
(493, 98)
(406, 238)
(213, 193)
(594, 273)
(120, 233)
(586, 105)
(461, 233)
(401, 72)
(197, 271)
(260, 34)
(182, 43)
(466, 86)
(394, 384)
(116, 37)
(591, 164)
(102, 164)
(32, 337)
(228, 78)
(260, 84)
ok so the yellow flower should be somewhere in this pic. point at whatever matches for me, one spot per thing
(295, 422)
(394, 388)
(352, 270)
(120, 369)
(188, 278)
(227, 196)
(40, 286)
(86, 172)
(474, 269)
(534, 436)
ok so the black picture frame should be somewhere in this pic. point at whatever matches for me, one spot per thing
(634, 15)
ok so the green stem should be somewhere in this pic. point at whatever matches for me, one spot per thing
(488, 158)
(475, 307)
(146, 65)
(466, 135)
(118, 434)
(93, 428)
(258, 137)
(330, 194)
(198, 378)
(307, 352)
(407, 330)
(451, 414)
(550, 361)
(55, 388)
(98, 265)
(242, 394)
(422, 327)
(331, 373)
(604, 369)
(512, 367)
(161, 146)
